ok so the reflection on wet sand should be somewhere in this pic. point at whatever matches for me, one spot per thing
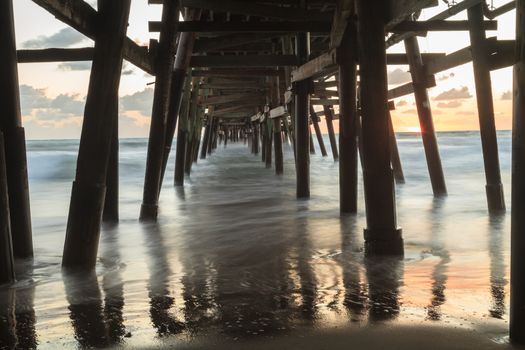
(8, 338)
(439, 273)
(384, 275)
(497, 266)
(160, 274)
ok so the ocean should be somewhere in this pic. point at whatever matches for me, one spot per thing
(234, 257)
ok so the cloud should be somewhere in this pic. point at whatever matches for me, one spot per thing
(453, 94)
(401, 103)
(398, 76)
(410, 111)
(63, 38)
(465, 113)
(507, 95)
(450, 104)
(74, 66)
(140, 101)
(445, 76)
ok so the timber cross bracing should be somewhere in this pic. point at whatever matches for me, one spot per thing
(261, 71)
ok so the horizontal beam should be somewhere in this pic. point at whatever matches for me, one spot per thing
(244, 61)
(225, 72)
(55, 55)
(314, 66)
(247, 27)
(400, 10)
(82, 17)
(439, 25)
(212, 100)
(408, 88)
(227, 41)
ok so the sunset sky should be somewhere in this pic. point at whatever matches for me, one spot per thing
(53, 94)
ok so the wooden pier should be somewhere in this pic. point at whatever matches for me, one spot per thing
(260, 73)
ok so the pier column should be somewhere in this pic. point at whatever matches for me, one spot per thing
(111, 202)
(487, 126)
(161, 103)
(396, 160)
(256, 138)
(182, 134)
(382, 236)
(89, 187)
(517, 259)
(329, 118)
(318, 134)
(7, 272)
(347, 120)
(302, 128)
(425, 117)
(14, 136)
(269, 141)
(278, 146)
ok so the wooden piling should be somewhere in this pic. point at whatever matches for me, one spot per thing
(269, 141)
(382, 235)
(517, 259)
(14, 137)
(182, 134)
(318, 134)
(161, 103)
(424, 112)
(256, 139)
(205, 139)
(347, 82)
(329, 117)
(311, 138)
(89, 188)
(278, 146)
(111, 201)
(489, 143)
(395, 159)
(7, 271)
(302, 128)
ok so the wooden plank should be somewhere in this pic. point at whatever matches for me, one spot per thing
(227, 41)
(55, 55)
(277, 112)
(225, 72)
(81, 16)
(248, 27)
(214, 100)
(343, 11)
(439, 25)
(315, 66)
(408, 88)
(399, 10)
(244, 61)
(324, 102)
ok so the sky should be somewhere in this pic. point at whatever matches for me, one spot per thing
(53, 94)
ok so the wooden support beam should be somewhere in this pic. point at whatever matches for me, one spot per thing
(318, 134)
(243, 61)
(7, 262)
(14, 137)
(163, 106)
(233, 72)
(111, 201)
(395, 159)
(302, 128)
(329, 117)
(426, 122)
(348, 121)
(382, 235)
(215, 100)
(484, 99)
(55, 55)
(439, 25)
(517, 240)
(188, 98)
(89, 188)
(400, 10)
(79, 15)
(204, 45)
(449, 12)
(248, 27)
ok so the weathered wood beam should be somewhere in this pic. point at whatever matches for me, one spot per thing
(215, 100)
(247, 27)
(236, 108)
(55, 55)
(225, 72)
(449, 12)
(399, 10)
(227, 41)
(244, 61)
(82, 17)
(439, 25)
(408, 88)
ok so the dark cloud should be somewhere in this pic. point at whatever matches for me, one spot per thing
(507, 95)
(63, 38)
(454, 94)
(31, 98)
(401, 103)
(465, 113)
(139, 101)
(398, 76)
(450, 104)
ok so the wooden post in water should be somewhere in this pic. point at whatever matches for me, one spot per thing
(487, 126)
(396, 160)
(89, 188)
(424, 112)
(315, 121)
(7, 271)
(329, 117)
(161, 103)
(182, 134)
(205, 139)
(256, 138)
(517, 259)
(269, 141)
(111, 202)
(278, 146)
(302, 128)
(212, 121)
(382, 235)
(14, 136)
(347, 82)
(312, 146)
